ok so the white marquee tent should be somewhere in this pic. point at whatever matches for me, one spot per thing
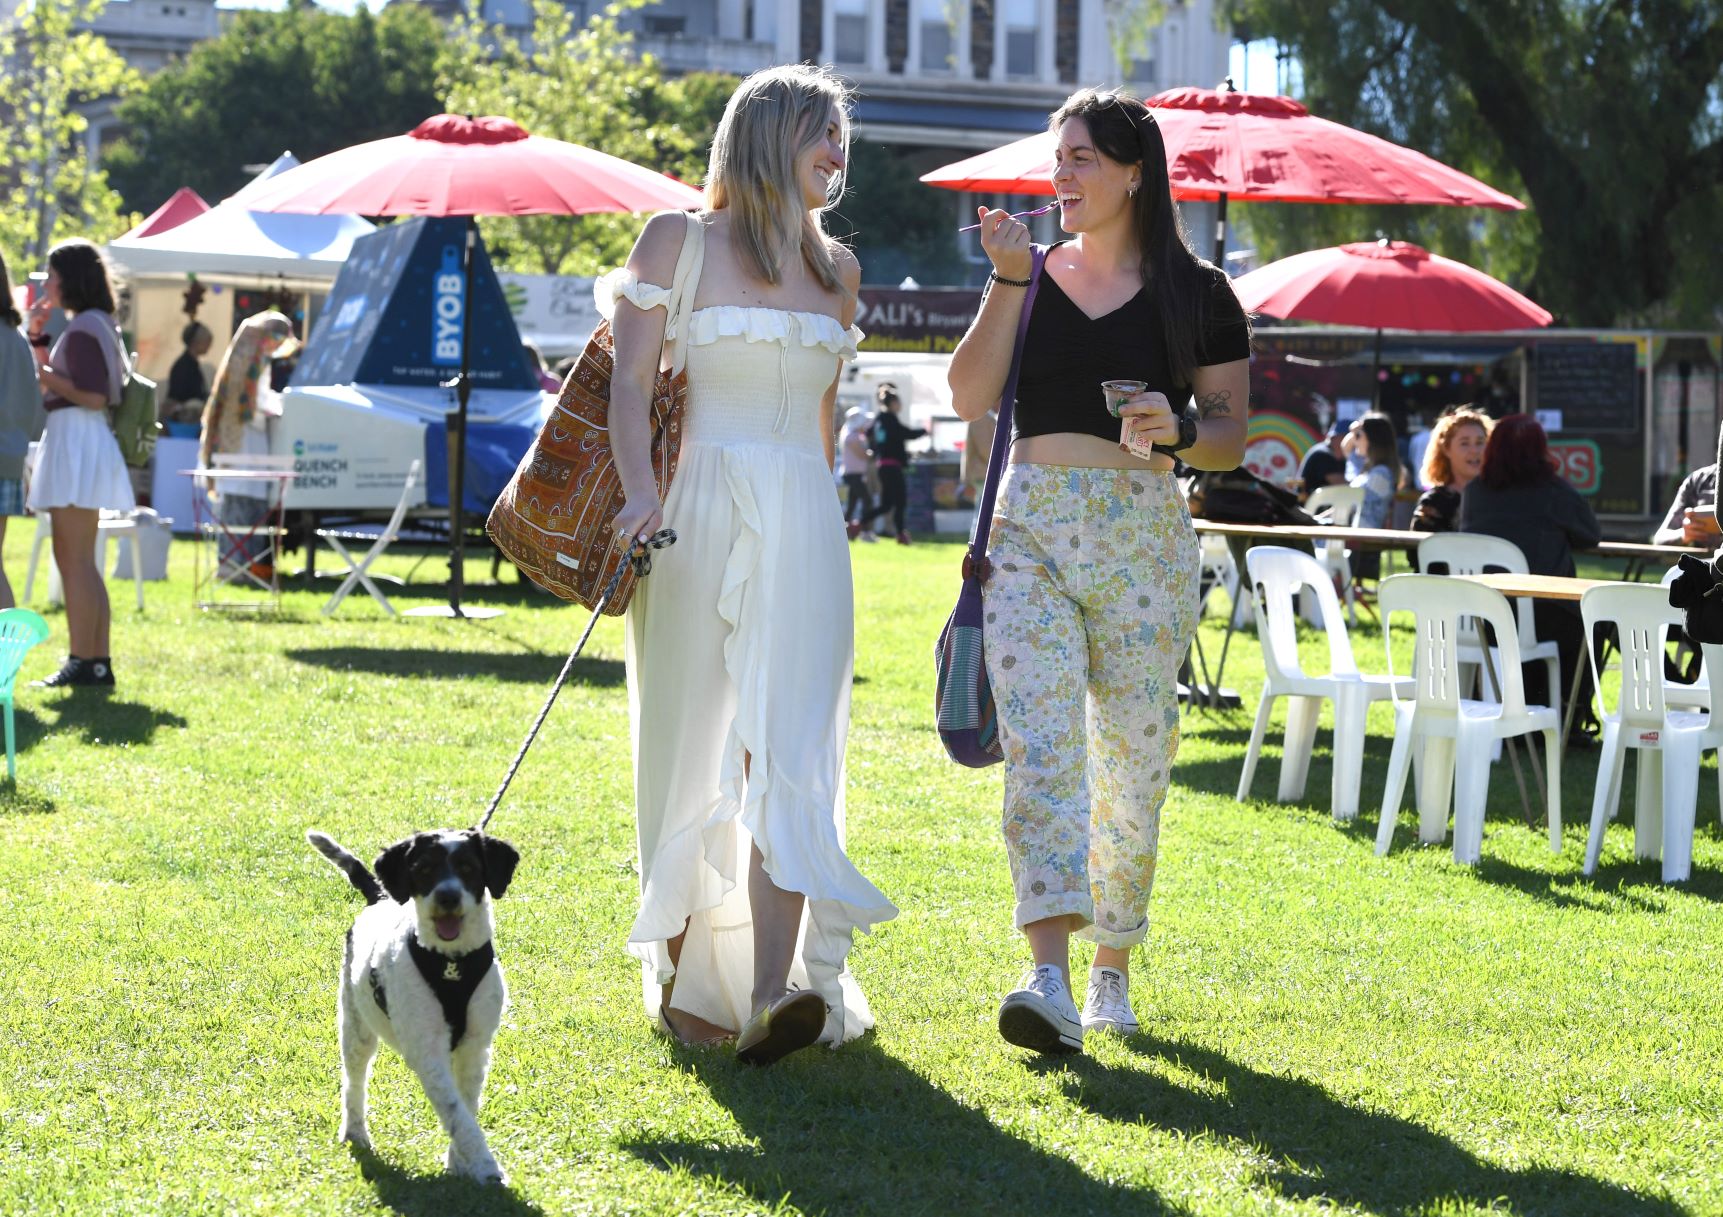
(230, 240)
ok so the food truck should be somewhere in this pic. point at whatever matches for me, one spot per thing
(1628, 412)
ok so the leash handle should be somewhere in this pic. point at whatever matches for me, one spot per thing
(639, 559)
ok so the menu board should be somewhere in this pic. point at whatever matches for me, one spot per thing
(1588, 396)
(1594, 385)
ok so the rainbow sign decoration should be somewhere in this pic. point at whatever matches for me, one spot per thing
(1275, 445)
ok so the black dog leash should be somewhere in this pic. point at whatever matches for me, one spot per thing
(639, 559)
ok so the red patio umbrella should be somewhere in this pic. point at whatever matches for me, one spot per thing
(1386, 285)
(456, 165)
(1224, 144)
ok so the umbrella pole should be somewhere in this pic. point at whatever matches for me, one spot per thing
(1220, 233)
(1376, 376)
(463, 390)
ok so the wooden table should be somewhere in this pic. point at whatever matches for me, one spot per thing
(1239, 538)
(1539, 587)
(1361, 538)
(1544, 587)
(1640, 554)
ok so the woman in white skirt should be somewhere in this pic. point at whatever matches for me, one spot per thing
(741, 642)
(79, 470)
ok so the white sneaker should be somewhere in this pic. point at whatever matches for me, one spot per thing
(1108, 1006)
(868, 536)
(1039, 1014)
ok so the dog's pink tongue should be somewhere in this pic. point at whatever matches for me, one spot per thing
(448, 928)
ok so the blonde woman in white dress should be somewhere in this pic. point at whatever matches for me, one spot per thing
(741, 643)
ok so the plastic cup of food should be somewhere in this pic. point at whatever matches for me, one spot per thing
(1118, 392)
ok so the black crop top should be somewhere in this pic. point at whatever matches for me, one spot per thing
(1067, 356)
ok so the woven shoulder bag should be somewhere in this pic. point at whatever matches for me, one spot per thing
(967, 717)
(553, 519)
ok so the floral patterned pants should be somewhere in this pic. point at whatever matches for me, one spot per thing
(1090, 607)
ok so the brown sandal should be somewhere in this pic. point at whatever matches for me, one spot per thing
(788, 1024)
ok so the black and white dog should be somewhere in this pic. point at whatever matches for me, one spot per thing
(420, 974)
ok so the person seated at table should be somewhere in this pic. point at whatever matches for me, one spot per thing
(187, 387)
(1519, 497)
(236, 420)
(1371, 440)
(1454, 456)
(1324, 464)
(1685, 523)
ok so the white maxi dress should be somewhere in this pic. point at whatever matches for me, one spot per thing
(741, 643)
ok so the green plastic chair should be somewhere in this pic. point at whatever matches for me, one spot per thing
(20, 629)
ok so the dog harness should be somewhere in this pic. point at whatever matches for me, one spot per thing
(453, 979)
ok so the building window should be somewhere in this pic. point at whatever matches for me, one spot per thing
(1140, 68)
(1022, 39)
(849, 31)
(666, 27)
(937, 43)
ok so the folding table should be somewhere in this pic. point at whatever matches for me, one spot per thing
(223, 559)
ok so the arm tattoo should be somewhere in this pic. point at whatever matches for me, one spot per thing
(1214, 404)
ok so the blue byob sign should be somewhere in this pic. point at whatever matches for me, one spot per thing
(395, 313)
(448, 306)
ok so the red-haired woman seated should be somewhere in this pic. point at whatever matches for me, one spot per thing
(1520, 498)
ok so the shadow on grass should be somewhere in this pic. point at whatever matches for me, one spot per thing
(14, 802)
(427, 663)
(1312, 1146)
(416, 591)
(1610, 888)
(97, 718)
(438, 1195)
(858, 1132)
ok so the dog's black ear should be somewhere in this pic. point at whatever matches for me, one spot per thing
(391, 868)
(500, 861)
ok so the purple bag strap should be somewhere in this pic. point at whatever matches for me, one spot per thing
(1002, 429)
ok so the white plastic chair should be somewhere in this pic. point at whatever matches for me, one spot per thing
(1276, 574)
(1678, 694)
(1668, 741)
(1451, 732)
(109, 524)
(1472, 553)
(1220, 571)
(1337, 506)
(358, 570)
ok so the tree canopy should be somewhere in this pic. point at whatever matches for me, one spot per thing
(582, 85)
(1604, 115)
(51, 191)
(303, 80)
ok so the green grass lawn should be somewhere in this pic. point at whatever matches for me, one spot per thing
(1324, 1031)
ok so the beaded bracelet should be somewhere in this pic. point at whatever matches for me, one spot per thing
(994, 276)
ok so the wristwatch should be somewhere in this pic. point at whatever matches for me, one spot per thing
(1187, 436)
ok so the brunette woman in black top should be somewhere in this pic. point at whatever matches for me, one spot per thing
(1092, 599)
